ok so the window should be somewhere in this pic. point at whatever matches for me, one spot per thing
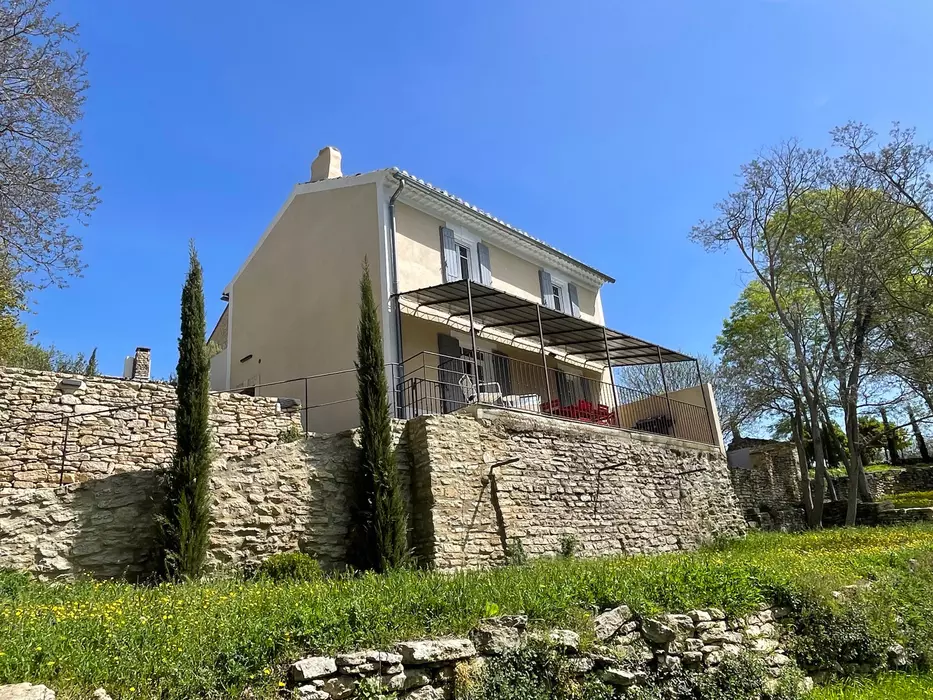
(463, 253)
(558, 295)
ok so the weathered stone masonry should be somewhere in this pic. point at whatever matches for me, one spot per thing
(612, 491)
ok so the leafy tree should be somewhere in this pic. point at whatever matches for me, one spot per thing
(874, 439)
(44, 183)
(185, 520)
(380, 519)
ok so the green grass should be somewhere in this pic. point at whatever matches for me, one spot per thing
(216, 638)
(911, 499)
(887, 687)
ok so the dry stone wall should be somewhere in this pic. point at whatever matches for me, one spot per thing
(91, 509)
(481, 482)
(472, 483)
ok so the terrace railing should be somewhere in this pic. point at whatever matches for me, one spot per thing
(431, 383)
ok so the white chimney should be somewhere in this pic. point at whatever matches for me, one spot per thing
(327, 164)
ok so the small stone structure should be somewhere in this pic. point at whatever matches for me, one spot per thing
(473, 483)
(766, 479)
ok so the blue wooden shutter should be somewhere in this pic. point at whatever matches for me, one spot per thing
(450, 262)
(574, 299)
(547, 289)
(485, 271)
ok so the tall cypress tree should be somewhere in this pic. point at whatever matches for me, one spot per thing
(91, 369)
(186, 515)
(380, 518)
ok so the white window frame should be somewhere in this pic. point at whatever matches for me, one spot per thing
(561, 283)
(463, 237)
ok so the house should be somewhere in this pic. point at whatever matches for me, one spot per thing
(474, 310)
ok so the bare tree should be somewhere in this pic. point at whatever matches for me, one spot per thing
(757, 220)
(44, 183)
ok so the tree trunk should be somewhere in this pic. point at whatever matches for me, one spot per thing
(806, 495)
(893, 457)
(918, 436)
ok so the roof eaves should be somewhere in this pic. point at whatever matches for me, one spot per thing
(437, 191)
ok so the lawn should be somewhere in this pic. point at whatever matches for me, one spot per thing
(887, 687)
(911, 499)
(214, 639)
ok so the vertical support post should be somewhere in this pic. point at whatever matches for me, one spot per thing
(473, 342)
(670, 406)
(547, 381)
(706, 404)
(612, 379)
(61, 475)
(307, 409)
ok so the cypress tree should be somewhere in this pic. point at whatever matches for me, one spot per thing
(186, 514)
(91, 369)
(380, 518)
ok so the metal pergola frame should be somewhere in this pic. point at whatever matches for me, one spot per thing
(489, 308)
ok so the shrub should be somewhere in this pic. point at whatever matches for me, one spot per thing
(290, 566)
(568, 546)
(515, 552)
(533, 672)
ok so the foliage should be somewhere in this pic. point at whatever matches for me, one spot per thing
(534, 672)
(874, 439)
(290, 566)
(890, 686)
(44, 183)
(185, 520)
(515, 552)
(371, 689)
(91, 369)
(382, 537)
(568, 546)
(911, 499)
(292, 433)
(736, 678)
(215, 638)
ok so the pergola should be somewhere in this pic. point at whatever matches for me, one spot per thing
(488, 309)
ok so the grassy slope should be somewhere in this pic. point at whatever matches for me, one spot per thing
(888, 687)
(214, 639)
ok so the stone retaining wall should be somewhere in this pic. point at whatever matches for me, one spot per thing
(474, 484)
(766, 480)
(626, 651)
(484, 481)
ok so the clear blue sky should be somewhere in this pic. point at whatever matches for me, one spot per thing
(605, 128)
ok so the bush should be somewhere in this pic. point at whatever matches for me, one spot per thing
(568, 546)
(533, 672)
(515, 552)
(290, 566)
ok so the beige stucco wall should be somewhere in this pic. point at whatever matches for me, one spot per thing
(418, 248)
(294, 308)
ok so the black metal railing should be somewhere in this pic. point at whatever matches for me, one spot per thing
(432, 383)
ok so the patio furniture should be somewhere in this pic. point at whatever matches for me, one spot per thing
(524, 402)
(661, 425)
(485, 395)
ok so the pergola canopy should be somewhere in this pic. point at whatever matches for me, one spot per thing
(568, 335)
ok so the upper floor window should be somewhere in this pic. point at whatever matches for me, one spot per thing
(557, 293)
(463, 254)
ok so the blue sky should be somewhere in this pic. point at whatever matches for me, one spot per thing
(605, 128)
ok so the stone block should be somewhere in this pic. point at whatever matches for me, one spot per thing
(609, 623)
(429, 651)
(566, 641)
(656, 632)
(492, 637)
(312, 667)
(26, 691)
(618, 677)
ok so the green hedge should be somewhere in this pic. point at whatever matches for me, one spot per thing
(214, 639)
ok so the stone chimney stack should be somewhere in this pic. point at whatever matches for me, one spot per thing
(141, 363)
(327, 165)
